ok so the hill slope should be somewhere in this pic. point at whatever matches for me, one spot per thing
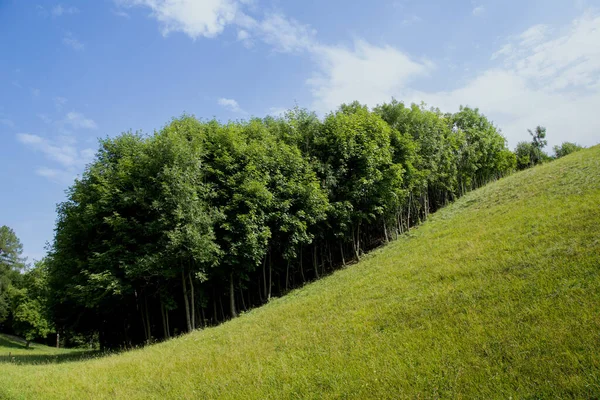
(497, 295)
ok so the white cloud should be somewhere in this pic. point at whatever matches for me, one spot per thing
(59, 102)
(231, 104)
(367, 73)
(210, 17)
(244, 37)
(479, 10)
(59, 10)
(7, 122)
(195, 18)
(77, 120)
(71, 41)
(411, 20)
(549, 81)
(286, 35)
(62, 151)
(45, 118)
(121, 13)
(277, 111)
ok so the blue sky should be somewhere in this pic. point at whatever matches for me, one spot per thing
(74, 71)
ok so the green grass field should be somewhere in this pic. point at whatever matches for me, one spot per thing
(496, 296)
(14, 350)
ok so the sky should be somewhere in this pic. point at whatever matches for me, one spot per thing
(72, 72)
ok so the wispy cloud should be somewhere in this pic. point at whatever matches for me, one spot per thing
(71, 41)
(192, 17)
(209, 18)
(411, 20)
(231, 105)
(62, 151)
(120, 13)
(60, 10)
(78, 121)
(479, 10)
(366, 72)
(7, 122)
(59, 102)
(35, 92)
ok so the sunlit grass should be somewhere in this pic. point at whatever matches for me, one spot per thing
(496, 296)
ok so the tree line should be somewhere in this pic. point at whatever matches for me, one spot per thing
(202, 220)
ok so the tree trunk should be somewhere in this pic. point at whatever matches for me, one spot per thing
(270, 277)
(385, 232)
(315, 265)
(342, 251)
(164, 320)
(149, 335)
(287, 275)
(215, 313)
(186, 303)
(192, 302)
(232, 297)
(302, 267)
(264, 279)
(242, 296)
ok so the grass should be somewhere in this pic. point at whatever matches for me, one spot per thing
(496, 296)
(13, 350)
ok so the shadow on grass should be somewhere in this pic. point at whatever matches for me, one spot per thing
(11, 343)
(33, 359)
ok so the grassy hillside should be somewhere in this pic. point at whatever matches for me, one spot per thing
(497, 295)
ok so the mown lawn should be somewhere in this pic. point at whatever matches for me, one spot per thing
(496, 296)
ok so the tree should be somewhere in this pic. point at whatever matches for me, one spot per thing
(566, 148)
(538, 142)
(523, 153)
(11, 262)
(29, 305)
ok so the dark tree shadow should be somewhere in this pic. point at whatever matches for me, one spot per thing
(6, 341)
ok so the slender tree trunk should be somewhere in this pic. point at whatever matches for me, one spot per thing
(203, 317)
(222, 310)
(242, 296)
(214, 301)
(232, 296)
(186, 302)
(264, 278)
(408, 212)
(315, 265)
(163, 312)
(287, 275)
(385, 232)
(260, 283)
(192, 302)
(270, 277)
(342, 251)
(302, 267)
(149, 332)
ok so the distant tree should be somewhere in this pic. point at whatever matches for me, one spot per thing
(538, 142)
(523, 152)
(29, 305)
(566, 148)
(11, 261)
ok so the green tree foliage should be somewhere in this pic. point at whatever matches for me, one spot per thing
(201, 220)
(11, 262)
(566, 148)
(30, 314)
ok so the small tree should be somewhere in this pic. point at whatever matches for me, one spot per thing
(538, 142)
(566, 148)
(29, 304)
(29, 319)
